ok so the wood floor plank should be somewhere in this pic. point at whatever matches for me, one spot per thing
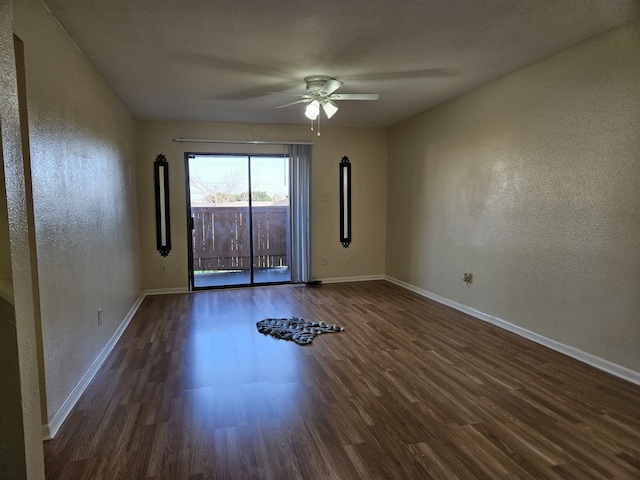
(411, 389)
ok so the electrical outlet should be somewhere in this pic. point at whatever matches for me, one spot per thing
(99, 316)
(163, 269)
(325, 260)
(348, 258)
(467, 278)
(325, 197)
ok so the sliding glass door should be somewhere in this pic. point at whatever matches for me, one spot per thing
(239, 206)
(270, 219)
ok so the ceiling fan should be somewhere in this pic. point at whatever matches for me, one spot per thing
(321, 94)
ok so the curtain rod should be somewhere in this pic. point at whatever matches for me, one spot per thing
(239, 142)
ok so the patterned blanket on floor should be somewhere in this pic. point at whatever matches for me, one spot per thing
(295, 329)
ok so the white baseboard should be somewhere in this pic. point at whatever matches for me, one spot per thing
(165, 291)
(582, 356)
(364, 278)
(46, 432)
(49, 431)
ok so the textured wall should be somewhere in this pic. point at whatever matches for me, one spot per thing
(82, 156)
(531, 183)
(367, 152)
(12, 451)
(21, 453)
(366, 148)
(6, 289)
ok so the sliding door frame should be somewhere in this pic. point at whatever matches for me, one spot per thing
(190, 221)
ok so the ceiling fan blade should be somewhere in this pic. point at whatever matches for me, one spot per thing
(330, 87)
(355, 96)
(304, 100)
(289, 93)
(329, 108)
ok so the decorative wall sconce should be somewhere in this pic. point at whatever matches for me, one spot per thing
(161, 185)
(345, 202)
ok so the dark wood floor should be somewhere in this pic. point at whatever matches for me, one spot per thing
(410, 390)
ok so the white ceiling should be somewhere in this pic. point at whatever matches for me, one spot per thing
(213, 60)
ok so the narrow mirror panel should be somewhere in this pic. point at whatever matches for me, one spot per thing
(345, 202)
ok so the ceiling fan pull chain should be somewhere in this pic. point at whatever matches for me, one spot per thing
(318, 125)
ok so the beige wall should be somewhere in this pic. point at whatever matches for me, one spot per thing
(21, 453)
(12, 451)
(85, 210)
(6, 288)
(366, 148)
(531, 183)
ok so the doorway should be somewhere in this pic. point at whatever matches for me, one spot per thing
(239, 211)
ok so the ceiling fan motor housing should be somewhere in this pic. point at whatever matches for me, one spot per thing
(316, 82)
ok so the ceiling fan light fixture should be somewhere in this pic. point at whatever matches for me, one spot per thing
(312, 110)
(321, 95)
(329, 108)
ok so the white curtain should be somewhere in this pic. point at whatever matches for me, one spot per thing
(300, 171)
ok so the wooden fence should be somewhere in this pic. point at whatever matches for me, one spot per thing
(221, 237)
